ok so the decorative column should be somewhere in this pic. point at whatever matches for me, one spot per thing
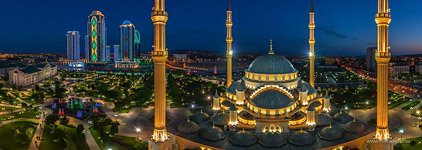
(382, 56)
(160, 138)
(311, 45)
(216, 102)
(229, 41)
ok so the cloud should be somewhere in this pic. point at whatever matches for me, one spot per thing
(334, 33)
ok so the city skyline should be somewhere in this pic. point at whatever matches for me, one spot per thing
(335, 33)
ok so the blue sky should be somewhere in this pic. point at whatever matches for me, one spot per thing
(343, 27)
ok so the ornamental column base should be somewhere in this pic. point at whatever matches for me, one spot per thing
(169, 144)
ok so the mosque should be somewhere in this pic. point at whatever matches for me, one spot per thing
(271, 107)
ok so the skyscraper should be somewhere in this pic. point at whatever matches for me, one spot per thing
(371, 64)
(127, 40)
(73, 45)
(86, 52)
(137, 44)
(108, 49)
(311, 45)
(117, 53)
(229, 42)
(97, 36)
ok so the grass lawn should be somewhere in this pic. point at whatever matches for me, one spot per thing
(413, 104)
(414, 144)
(17, 135)
(119, 142)
(7, 109)
(64, 137)
(29, 114)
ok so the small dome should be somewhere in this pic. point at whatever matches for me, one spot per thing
(271, 99)
(200, 117)
(334, 110)
(212, 133)
(271, 64)
(243, 138)
(323, 120)
(228, 104)
(310, 108)
(272, 140)
(188, 127)
(301, 138)
(342, 117)
(305, 86)
(355, 126)
(331, 133)
(127, 22)
(220, 119)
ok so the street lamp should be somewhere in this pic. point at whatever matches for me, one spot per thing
(419, 121)
(401, 131)
(138, 131)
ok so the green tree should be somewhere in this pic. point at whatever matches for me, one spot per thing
(51, 119)
(114, 129)
(64, 120)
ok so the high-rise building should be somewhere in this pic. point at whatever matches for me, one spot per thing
(108, 50)
(117, 53)
(371, 64)
(311, 45)
(97, 37)
(86, 52)
(127, 40)
(229, 43)
(137, 44)
(73, 45)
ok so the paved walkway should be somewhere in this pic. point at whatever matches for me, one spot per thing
(39, 131)
(88, 136)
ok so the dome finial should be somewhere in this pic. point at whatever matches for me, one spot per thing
(271, 47)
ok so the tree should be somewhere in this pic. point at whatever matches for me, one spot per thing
(79, 131)
(64, 121)
(51, 119)
(114, 129)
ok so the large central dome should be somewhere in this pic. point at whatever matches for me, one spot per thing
(271, 64)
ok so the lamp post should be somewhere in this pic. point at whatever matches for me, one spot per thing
(401, 131)
(138, 131)
(419, 121)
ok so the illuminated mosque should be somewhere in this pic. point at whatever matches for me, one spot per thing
(271, 107)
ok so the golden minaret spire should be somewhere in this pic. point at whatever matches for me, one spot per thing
(311, 45)
(159, 55)
(382, 57)
(229, 41)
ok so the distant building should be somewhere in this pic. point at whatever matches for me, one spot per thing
(73, 45)
(180, 57)
(137, 45)
(86, 52)
(330, 61)
(97, 37)
(400, 68)
(117, 53)
(418, 68)
(108, 49)
(31, 74)
(371, 64)
(127, 40)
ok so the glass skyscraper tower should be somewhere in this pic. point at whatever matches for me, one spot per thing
(73, 45)
(127, 40)
(97, 37)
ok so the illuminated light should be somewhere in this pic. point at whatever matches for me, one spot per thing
(311, 54)
(231, 52)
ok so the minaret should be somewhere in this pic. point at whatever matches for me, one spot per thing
(159, 18)
(311, 45)
(229, 41)
(382, 56)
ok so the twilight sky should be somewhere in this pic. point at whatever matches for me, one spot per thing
(343, 27)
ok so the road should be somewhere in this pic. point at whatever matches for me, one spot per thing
(40, 130)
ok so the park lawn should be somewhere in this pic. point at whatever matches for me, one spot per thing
(12, 139)
(29, 114)
(66, 139)
(7, 109)
(417, 144)
(119, 142)
(413, 104)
